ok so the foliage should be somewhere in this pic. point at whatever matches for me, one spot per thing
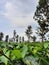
(34, 38)
(1, 36)
(7, 38)
(28, 32)
(42, 16)
(24, 54)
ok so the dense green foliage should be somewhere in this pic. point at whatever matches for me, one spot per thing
(24, 53)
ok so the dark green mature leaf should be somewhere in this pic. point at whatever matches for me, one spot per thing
(4, 59)
(24, 50)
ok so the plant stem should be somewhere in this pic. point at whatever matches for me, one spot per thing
(8, 58)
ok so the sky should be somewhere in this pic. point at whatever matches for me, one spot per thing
(17, 15)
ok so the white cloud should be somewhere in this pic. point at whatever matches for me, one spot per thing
(8, 5)
(16, 17)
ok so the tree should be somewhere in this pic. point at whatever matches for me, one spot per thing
(48, 36)
(7, 38)
(17, 38)
(14, 35)
(22, 39)
(1, 36)
(42, 29)
(34, 38)
(42, 16)
(42, 11)
(29, 32)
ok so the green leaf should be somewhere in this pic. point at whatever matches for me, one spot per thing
(46, 45)
(24, 51)
(4, 50)
(35, 50)
(30, 60)
(44, 60)
(48, 55)
(17, 53)
(4, 59)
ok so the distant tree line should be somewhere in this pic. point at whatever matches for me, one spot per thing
(15, 38)
(18, 39)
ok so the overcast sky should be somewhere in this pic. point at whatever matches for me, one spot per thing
(17, 14)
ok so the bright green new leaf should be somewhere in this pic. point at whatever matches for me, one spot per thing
(46, 45)
(17, 53)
